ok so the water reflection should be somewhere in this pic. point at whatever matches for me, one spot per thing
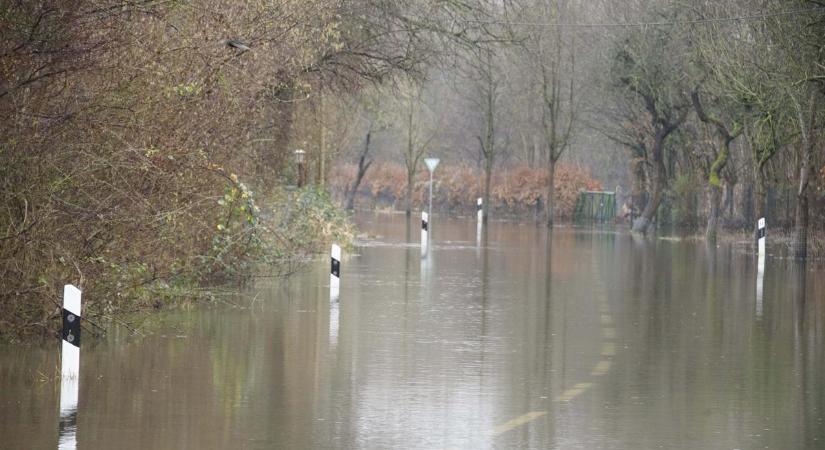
(67, 430)
(520, 339)
(760, 282)
(334, 313)
(479, 234)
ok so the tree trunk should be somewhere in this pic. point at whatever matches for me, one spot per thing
(659, 183)
(362, 170)
(637, 191)
(322, 164)
(489, 143)
(349, 205)
(729, 203)
(410, 159)
(551, 192)
(719, 163)
(800, 235)
(800, 239)
(363, 166)
(760, 198)
(715, 183)
(642, 223)
(409, 194)
(488, 174)
(713, 215)
(746, 205)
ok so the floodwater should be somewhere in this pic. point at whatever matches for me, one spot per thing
(586, 339)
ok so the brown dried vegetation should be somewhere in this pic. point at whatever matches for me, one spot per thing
(515, 191)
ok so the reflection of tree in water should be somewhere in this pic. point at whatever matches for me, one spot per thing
(546, 332)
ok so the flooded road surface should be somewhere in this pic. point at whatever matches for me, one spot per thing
(588, 339)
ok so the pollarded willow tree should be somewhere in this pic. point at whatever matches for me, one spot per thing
(721, 156)
(650, 78)
(772, 68)
(804, 73)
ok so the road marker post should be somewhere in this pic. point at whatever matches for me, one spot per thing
(479, 225)
(761, 235)
(425, 232)
(335, 273)
(69, 367)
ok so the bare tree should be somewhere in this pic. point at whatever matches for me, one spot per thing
(363, 166)
(556, 80)
(480, 64)
(420, 133)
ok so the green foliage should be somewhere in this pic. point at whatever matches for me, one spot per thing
(717, 166)
(305, 221)
(188, 89)
(294, 225)
(237, 239)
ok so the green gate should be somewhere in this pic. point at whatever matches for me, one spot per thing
(595, 207)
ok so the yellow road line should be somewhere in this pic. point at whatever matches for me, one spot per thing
(609, 349)
(517, 422)
(609, 333)
(601, 368)
(573, 392)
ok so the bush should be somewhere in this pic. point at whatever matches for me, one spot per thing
(112, 178)
(126, 263)
(301, 223)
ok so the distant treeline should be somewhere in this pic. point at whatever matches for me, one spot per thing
(516, 191)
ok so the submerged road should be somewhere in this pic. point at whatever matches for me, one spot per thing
(576, 339)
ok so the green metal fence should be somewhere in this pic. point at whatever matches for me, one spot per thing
(595, 207)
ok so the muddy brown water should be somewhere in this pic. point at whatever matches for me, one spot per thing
(579, 339)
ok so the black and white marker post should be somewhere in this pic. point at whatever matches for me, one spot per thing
(431, 163)
(479, 213)
(425, 227)
(334, 285)
(69, 368)
(761, 234)
(335, 272)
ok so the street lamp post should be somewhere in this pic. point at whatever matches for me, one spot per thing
(432, 163)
